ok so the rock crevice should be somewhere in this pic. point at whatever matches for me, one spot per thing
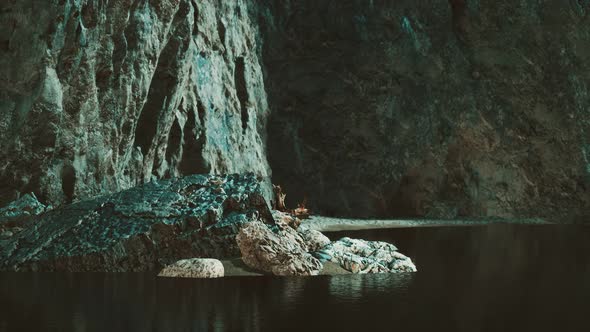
(99, 96)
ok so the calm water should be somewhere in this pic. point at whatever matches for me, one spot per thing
(492, 278)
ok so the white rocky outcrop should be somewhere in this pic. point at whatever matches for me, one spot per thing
(361, 256)
(194, 268)
(315, 239)
(280, 251)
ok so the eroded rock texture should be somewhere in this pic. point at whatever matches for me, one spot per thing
(97, 96)
(431, 108)
(380, 108)
(140, 229)
(278, 250)
(194, 268)
(26, 205)
(360, 256)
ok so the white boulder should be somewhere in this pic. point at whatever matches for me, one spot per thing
(194, 268)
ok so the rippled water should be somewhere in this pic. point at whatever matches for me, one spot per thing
(489, 278)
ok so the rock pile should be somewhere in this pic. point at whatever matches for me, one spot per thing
(281, 250)
(167, 222)
(360, 256)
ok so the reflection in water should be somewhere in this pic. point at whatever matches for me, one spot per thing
(346, 287)
(79, 321)
(501, 277)
(290, 290)
(354, 287)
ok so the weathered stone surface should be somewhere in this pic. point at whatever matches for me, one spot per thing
(431, 108)
(98, 96)
(286, 218)
(26, 205)
(280, 251)
(315, 239)
(360, 256)
(140, 229)
(194, 268)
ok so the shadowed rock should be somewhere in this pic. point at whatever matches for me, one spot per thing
(428, 109)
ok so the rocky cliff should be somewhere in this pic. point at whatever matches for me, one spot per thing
(431, 108)
(98, 96)
(379, 108)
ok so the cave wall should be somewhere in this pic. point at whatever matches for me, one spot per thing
(443, 109)
(456, 108)
(97, 96)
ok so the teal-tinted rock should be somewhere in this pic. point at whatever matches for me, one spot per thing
(27, 205)
(141, 228)
(97, 97)
(323, 256)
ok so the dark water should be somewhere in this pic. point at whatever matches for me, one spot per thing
(492, 278)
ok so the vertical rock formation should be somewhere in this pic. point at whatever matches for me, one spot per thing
(380, 108)
(97, 96)
(431, 108)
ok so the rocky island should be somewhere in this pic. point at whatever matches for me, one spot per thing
(157, 224)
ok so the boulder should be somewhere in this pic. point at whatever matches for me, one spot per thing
(315, 239)
(279, 250)
(286, 218)
(396, 119)
(140, 229)
(361, 256)
(194, 268)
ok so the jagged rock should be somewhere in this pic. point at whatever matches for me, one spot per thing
(286, 218)
(280, 251)
(194, 268)
(360, 256)
(315, 239)
(99, 96)
(26, 205)
(428, 109)
(142, 228)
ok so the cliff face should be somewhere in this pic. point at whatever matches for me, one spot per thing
(400, 109)
(431, 108)
(98, 96)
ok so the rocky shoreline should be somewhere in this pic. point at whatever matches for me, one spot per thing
(175, 223)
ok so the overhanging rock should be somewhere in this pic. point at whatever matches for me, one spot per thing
(142, 228)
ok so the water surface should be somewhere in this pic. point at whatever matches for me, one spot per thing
(486, 278)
